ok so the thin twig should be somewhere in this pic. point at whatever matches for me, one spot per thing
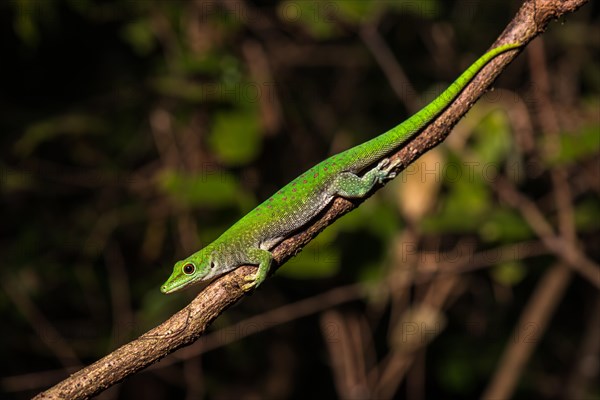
(51, 337)
(264, 84)
(344, 339)
(588, 359)
(574, 258)
(528, 332)
(119, 294)
(390, 66)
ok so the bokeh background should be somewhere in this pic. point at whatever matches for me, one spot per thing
(134, 132)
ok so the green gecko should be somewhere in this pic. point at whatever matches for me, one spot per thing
(250, 240)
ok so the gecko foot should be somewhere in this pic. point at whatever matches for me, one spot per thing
(385, 168)
(251, 279)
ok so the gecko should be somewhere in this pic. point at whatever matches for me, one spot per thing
(250, 240)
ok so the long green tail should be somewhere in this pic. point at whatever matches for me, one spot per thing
(372, 150)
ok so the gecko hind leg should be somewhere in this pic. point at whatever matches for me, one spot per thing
(350, 185)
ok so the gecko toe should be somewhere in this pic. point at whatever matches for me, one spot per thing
(248, 286)
(383, 163)
(251, 279)
(390, 166)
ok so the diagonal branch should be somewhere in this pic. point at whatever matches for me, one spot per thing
(187, 325)
(559, 245)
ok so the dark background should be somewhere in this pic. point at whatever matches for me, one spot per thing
(133, 132)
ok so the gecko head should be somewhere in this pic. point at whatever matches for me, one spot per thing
(199, 266)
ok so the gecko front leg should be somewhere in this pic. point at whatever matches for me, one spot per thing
(263, 259)
(350, 185)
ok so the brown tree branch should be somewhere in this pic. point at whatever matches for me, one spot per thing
(558, 244)
(187, 325)
(528, 332)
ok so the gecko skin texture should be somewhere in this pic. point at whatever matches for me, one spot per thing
(250, 240)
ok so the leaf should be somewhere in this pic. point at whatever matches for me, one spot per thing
(456, 374)
(317, 17)
(210, 188)
(462, 211)
(493, 139)
(70, 124)
(320, 259)
(504, 225)
(422, 8)
(31, 17)
(235, 136)
(12, 180)
(575, 146)
(587, 215)
(140, 36)
(320, 18)
(509, 273)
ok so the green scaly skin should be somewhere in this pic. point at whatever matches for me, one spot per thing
(250, 240)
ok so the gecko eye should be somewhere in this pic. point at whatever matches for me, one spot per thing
(212, 265)
(189, 268)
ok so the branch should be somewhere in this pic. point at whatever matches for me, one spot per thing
(187, 325)
(561, 246)
(528, 331)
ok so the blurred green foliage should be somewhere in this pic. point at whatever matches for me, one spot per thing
(235, 137)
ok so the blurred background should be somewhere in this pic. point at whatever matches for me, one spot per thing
(135, 132)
